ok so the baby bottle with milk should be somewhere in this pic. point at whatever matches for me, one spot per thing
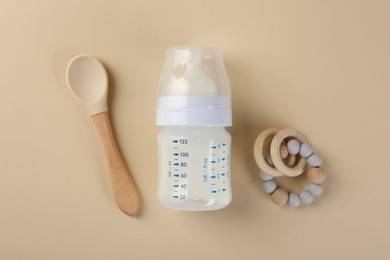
(194, 107)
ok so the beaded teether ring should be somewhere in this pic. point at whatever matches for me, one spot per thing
(297, 145)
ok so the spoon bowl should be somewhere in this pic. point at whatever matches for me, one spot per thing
(88, 81)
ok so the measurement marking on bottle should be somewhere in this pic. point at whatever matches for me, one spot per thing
(212, 169)
(179, 164)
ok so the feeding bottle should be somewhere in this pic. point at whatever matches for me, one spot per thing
(194, 107)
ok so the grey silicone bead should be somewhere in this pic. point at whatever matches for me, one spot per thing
(293, 146)
(314, 160)
(269, 186)
(315, 189)
(268, 159)
(306, 197)
(265, 177)
(294, 200)
(306, 150)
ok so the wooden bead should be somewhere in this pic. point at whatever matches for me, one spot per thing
(280, 197)
(283, 151)
(306, 150)
(294, 200)
(290, 160)
(269, 186)
(314, 160)
(316, 175)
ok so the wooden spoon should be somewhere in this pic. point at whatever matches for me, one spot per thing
(87, 80)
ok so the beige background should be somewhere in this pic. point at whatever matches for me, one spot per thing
(321, 67)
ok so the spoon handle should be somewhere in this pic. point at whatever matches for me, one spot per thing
(125, 191)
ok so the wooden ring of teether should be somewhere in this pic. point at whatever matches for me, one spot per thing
(275, 155)
(290, 160)
(259, 155)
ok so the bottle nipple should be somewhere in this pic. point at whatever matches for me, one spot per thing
(193, 81)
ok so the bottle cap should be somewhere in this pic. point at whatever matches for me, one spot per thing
(194, 89)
